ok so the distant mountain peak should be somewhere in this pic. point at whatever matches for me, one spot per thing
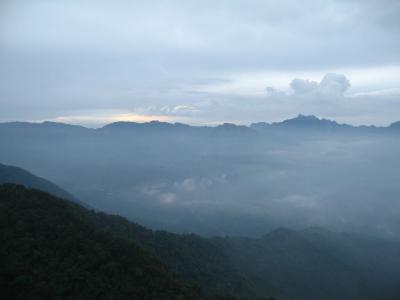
(232, 126)
(306, 117)
(155, 124)
(45, 125)
(307, 120)
(395, 125)
(302, 121)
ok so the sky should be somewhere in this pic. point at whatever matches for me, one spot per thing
(199, 62)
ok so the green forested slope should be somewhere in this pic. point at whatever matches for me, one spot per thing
(50, 247)
(196, 260)
(49, 251)
(315, 264)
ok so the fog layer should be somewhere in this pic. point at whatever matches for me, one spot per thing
(222, 180)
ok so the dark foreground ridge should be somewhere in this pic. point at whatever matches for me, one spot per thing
(49, 250)
(52, 248)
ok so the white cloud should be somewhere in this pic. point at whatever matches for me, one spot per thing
(179, 110)
(303, 86)
(184, 192)
(273, 92)
(100, 117)
(332, 85)
(202, 183)
(393, 92)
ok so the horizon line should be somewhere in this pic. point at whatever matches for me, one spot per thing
(208, 125)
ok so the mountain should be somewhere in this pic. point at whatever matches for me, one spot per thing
(303, 122)
(317, 264)
(61, 248)
(300, 121)
(49, 251)
(46, 128)
(395, 125)
(152, 126)
(309, 121)
(156, 127)
(314, 263)
(11, 174)
(195, 260)
(42, 125)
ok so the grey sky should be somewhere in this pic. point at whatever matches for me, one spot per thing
(200, 62)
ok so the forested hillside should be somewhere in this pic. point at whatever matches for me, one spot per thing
(308, 264)
(52, 247)
(48, 251)
(194, 259)
(317, 264)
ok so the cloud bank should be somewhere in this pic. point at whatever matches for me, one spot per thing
(201, 61)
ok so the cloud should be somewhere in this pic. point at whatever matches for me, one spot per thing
(99, 118)
(167, 198)
(160, 194)
(179, 110)
(185, 192)
(303, 86)
(328, 97)
(332, 87)
(333, 84)
(273, 92)
(208, 63)
(202, 183)
(333, 97)
(393, 92)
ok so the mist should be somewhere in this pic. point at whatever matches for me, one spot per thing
(223, 180)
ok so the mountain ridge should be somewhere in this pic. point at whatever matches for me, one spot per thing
(49, 251)
(16, 175)
(299, 120)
